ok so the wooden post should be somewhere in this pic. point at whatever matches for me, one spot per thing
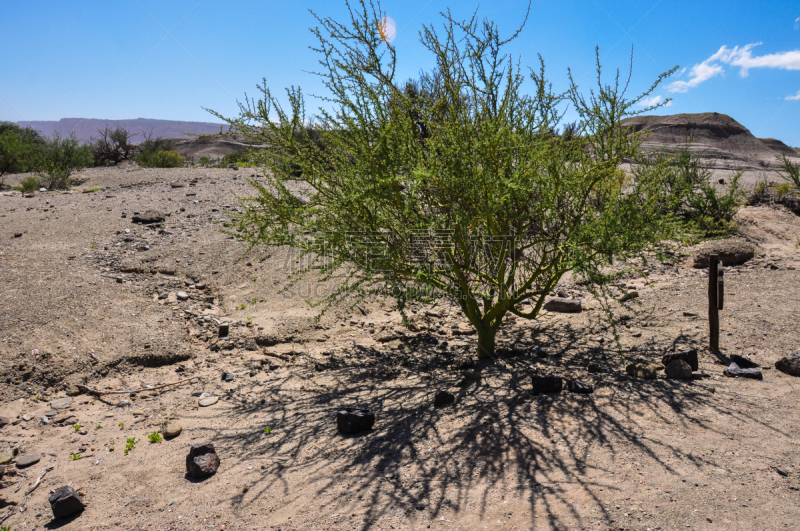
(713, 303)
(721, 287)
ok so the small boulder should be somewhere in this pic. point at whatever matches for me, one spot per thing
(443, 398)
(679, 370)
(548, 383)
(182, 296)
(689, 356)
(73, 390)
(579, 386)
(789, 364)
(207, 399)
(644, 371)
(172, 430)
(562, 305)
(149, 217)
(64, 502)
(6, 456)
(202, 460)
(735, 371)
(4, 421)
(732, 251)
(352, 420)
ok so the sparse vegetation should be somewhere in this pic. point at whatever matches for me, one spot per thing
(155, 437)
(267, 430)
(60, 156)
(205, 161)
(113, 146)
(19, 149)
(74, 457)
(28, 184)
(161, 159)
(129, 444)
(483, 205)
(791, 172)
(77, 427)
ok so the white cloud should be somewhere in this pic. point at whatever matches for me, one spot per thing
(795, 97)
(653, 100)
(797, 23)
(741, 57)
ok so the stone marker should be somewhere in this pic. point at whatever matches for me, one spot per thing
(559, 304)
(789, 364)
(549, 383)
(679, 370)
(61, 403)
(202, 460)
(28, 459)
(735, 370)
(64, 501)
(689, 356)
(351, 420)
(579, 386)
(443, 398)
(644, 371)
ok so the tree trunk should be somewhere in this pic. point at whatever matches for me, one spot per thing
(486, 342)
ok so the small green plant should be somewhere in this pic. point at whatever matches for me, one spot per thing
(267, 430)
(205, 161)
(5, 528)
(129, 444)
(783, 190)
(93, 246)
(249, 319)
(28, 184)
(224, 309)
(121, 425)
(254, 300)
(74, 457)
(98, 427)
(91, 190)
(37, 398)
(255, 278)
(155, 437)
(77, 427)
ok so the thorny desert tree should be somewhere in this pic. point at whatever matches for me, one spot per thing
(456, 185)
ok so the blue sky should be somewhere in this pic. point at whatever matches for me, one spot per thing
(168, 60)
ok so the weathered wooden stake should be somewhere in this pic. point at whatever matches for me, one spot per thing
(713, 303)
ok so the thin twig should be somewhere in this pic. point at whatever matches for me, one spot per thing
(38, 480)
(98, 393)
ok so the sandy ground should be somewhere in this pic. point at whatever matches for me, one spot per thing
(96, 295)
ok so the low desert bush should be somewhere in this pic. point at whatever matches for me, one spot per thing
(59, 157)
(19, 149)
(113, 146)
(775, 195)
(161, 159)
(791, 172)
(28, 184)
(205, 161)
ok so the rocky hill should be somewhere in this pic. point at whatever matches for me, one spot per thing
(720, 139)
(85, 129)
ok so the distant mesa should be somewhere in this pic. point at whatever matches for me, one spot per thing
(87, 128)
(716, 137)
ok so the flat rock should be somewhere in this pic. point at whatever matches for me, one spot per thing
(442, 398)
(562, 305)
(644, 371)
(579, 386)
(61, 403)
(30, 458)
(6, 456)
(64, 502)
(789, 364)
(735, 371)
(548, 383)
(148, 217)
(207, 399)
(4, 421)
(351, 420)
(679, 370)
(172, 430)
(689, 356)
(177, 184)
(182, 296)
(732, 251)
(202, 460)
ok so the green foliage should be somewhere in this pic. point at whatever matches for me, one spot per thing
(59, 157)
(161, 159)
(791, 172)
(459, 189)
(687, 196)
(98, 427)
(77, 427)
(74, 457)
(155, 437)
(239, 158)
(783, 190)
(267, 430)
(129, 444)
(19, 149)
(205, 161)
(90, 190)
(28, 184)
(121, 425)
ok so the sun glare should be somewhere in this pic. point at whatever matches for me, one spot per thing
(387, 29)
